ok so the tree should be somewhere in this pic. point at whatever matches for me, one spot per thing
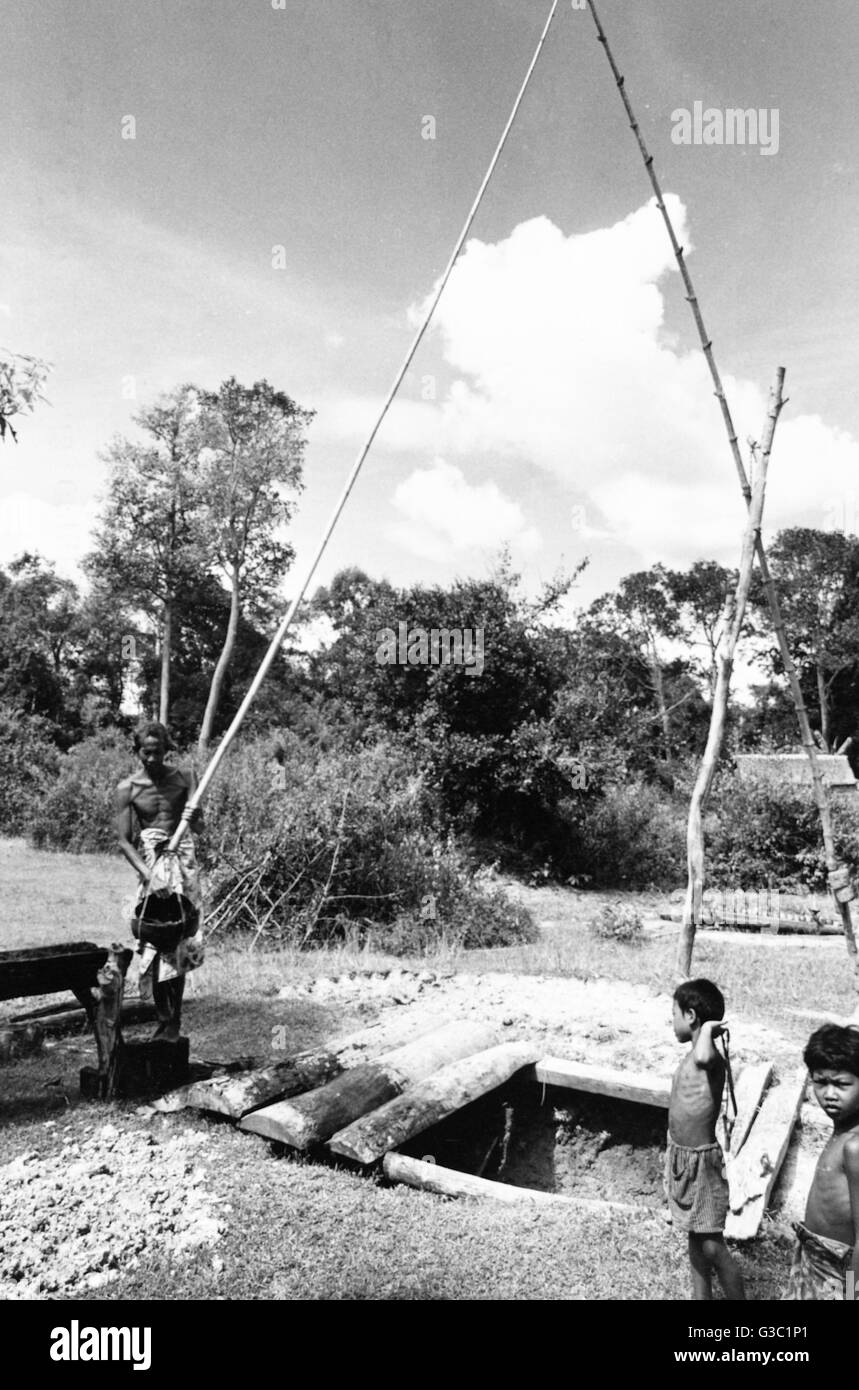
(38, 613)
(700, 593)
(250, 447)
(149, 540)
(817, 577)
(645, 612)
(21, 382)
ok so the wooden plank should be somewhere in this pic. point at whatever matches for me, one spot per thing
(313, 1118)
(749, 1088)
(752, 1174)
(447, 1182)
(49, 969)
(647, 1088)
(240, 1095)
(425, 1103)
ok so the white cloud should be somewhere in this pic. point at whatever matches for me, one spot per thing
(565, 361)
(445, 515)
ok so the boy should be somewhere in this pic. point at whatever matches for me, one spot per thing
(149, 807)
(828, 1240)
(695, 1181)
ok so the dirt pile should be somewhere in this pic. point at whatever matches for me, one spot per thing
(76, 1218)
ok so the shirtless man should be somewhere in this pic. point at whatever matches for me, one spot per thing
(695, 1180)
(828, 1240)
(149, 806)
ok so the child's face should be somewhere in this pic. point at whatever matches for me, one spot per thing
(836, 1092)
(683, 1023)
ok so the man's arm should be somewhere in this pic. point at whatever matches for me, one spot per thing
(851, 1168)
(125, 829)
(704, 1052)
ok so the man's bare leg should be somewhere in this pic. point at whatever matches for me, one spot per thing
(167, 997)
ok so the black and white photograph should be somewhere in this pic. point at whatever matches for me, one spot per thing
(429, 668)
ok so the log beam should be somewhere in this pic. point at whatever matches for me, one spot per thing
(427, 1102)
(313, 1118)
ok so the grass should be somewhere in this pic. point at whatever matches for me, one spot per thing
(300, 1230)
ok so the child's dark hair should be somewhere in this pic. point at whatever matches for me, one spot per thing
(701, 997)
(833, 1048)
(152, 729)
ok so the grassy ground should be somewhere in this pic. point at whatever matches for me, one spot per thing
(305, 1230)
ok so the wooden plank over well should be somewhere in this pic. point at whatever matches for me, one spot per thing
(427, 1102)
(645, 1087)
(313, 1118)
(752, 1174)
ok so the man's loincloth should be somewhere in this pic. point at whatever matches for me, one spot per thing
(696, 1187)
(173, 873)
(819, 1268)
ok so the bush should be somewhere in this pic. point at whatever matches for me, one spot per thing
(77, 812)
(756, 834)
(316, 847)
(28, 764)
(618, 922)
(634, 836)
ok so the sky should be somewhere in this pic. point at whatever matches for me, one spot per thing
(280, 212)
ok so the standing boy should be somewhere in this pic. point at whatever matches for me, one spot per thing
(828, 1240)
(695, 1182)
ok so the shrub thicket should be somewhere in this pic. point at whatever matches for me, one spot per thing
(634, 836)
(29, 760)
(757, 834)
(312, 848)
(77, 811)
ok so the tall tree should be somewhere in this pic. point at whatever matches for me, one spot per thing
(700, 593)
(148, 542)
(644, 611)
(250, 449)
(37, 631)
(817, 578)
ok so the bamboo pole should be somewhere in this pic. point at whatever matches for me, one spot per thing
(842, 891)
(732, 622)
(286, 622)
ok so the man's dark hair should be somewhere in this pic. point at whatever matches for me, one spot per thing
(833, 1048)
(152, 729)
(701, 997)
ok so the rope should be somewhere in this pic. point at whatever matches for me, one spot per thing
(287, 620)
(729, 1123)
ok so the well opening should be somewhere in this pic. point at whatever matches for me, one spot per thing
(556, 1140)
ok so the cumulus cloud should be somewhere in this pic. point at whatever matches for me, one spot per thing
(445, 515)
(563, 359)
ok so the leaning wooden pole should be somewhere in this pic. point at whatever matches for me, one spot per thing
(732, 623)
(288, 618)
(839, 877)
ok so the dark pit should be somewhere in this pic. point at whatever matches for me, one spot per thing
(555, 1140)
